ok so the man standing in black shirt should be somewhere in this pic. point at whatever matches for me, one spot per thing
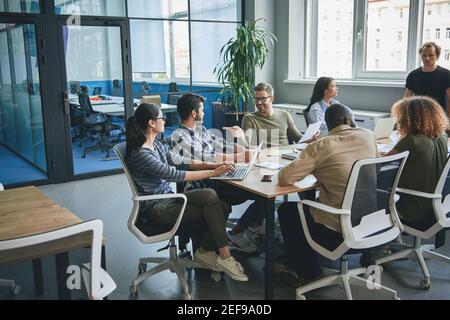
(430, 79)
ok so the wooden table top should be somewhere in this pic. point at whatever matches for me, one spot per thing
(271, 190)
(27, 211)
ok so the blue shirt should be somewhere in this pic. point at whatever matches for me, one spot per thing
(317, 113)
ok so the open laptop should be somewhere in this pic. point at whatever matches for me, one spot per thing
(384, 128)
(241, 170)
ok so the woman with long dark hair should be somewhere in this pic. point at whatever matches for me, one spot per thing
(154, 166)
(324, 91)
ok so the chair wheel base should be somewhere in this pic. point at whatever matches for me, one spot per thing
(134, 290)
(215, 276)
(300, 297)
(15, 291)
(142, 268)
(425, 284)
(187, 296)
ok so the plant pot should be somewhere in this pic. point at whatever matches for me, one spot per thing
(218, 114)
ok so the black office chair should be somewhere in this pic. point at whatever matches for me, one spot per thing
(172, 97)
(74, 87)
(92, 126)
(117, 90)
(144, 90)
(97, 91)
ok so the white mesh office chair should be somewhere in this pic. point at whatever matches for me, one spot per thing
(417, 252)
(368, 219)
(151, 235)
(14, 289)
(98, 283)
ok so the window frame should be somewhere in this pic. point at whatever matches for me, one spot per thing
(303, 21)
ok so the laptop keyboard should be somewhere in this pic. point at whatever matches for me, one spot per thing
(237, 174)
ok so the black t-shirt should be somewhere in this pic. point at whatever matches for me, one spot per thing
(433, 84)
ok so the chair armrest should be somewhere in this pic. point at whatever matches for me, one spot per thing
(419, 193)
(325, 208)
(160, 197)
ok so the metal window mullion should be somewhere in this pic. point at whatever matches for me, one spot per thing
(190, 45)
(359, 37)
(302, 47)
(314, 27)
(415, 32)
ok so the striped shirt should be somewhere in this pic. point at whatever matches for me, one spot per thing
(154, 170)
(199, 143)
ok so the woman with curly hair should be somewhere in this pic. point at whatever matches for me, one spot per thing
(422, 125)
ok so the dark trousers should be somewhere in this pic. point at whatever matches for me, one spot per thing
(301, 257)
(254, 213)
(203, 207)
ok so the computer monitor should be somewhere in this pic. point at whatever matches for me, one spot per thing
(155, 99)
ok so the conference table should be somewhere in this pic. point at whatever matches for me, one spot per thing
(27, 211)
(114, 106)
(268, 192)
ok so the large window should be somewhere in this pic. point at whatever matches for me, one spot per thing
(169, 43)
(382, 37)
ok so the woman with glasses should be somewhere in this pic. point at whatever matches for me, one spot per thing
(153, 167)
(324, 91)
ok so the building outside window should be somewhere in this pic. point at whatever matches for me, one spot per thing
(374, 20)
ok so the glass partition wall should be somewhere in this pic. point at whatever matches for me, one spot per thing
(22, 144)
(68, 86)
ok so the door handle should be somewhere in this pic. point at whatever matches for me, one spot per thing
(66, 102)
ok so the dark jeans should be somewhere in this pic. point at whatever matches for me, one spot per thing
(254, 214)
(203, 207)
(301, 257)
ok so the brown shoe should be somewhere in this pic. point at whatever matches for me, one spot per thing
(284, 274)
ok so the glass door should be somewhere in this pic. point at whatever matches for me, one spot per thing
(94, 93)
(22, 136)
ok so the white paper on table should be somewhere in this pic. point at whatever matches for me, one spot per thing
(270, 165)
(299, 146)
(306, 182)
(311, 131)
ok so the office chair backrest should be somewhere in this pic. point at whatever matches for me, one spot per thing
(117, 88)
(120, 150)
(74, 87)
(97, 91)
(305, 114)
(171, 97)
(98, 283)
(173, 87)
(85, 104)
(373, 219)
(145, 87)
(146, 233)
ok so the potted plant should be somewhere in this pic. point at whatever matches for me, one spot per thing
(240, 57)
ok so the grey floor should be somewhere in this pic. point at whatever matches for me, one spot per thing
(108, 198)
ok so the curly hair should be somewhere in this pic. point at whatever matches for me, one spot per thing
(420, 115)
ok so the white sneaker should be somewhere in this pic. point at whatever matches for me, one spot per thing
(207, 259)
(242, 242)
(232, 268)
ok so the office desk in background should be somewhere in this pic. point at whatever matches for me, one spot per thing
(118, 109)
(268, 191)
(27, 211)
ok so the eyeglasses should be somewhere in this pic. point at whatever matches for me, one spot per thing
(262, 99)
(162, 118)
